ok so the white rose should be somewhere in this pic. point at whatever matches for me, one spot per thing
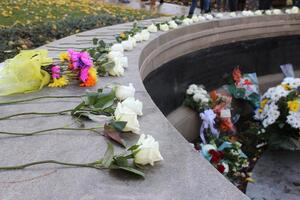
(277, 12)
(186, 22)
(114, 54)
(208, 16)
(295, 10)
(219, 15)
(133, 40)
(268, 12)
(258, 12)
(123, 91)
(145, 35)
(125, 114)
(133, 104)
(124, 62)
(288, 11)
(193, 87)
(195, 18)
(232, 14)
(117, 47)
(152, 28)
(127, 45)
(138, 37)
(201, 18)
(148, 151)
(164, 27)
(172, 24)
(117, 70)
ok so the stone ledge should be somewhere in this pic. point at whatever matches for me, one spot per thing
(182, 175)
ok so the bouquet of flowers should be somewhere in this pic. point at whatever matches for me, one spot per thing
(279, 113)
(244, 86)
(197, 98)
(226, 156)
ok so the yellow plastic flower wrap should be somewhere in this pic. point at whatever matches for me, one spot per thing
(23, 73)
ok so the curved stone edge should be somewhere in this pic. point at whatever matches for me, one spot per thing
(182, 175)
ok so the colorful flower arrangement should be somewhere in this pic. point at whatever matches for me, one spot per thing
(279, 113)
(244, 86)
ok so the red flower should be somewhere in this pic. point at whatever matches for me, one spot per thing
(216, 156)
(247, 82)
(221, 168)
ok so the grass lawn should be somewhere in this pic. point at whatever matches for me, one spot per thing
(26, 24)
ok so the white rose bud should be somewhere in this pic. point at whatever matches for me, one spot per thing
(117, 47)
(133, 104)
(164, 27)
(201, 18)
(152, 28)
(195, 18)
(232, 14)
(186, 21)
(190, 91)
(148, 151)
(117, 70)
(133, 40)
(145, 35)
(277, 12)
(114, 54)
(219, 15)
(258, 12)
(127, 45)
(172, 24)
(295, 10)
(268, 12)
(123, 91)
(138, 37)
(288, 11)
(125, 114)
(208, 16)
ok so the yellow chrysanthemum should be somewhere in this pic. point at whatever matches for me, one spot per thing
(293, 105)
(64, 56)
(263, 103)
(286, 86)
(60, 82)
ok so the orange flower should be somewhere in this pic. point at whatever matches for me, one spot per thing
(226, 125)
(92, 78)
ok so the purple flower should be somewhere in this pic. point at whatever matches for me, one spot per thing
(84, 72)
(74, 57)
(86, 59)
(55, 72)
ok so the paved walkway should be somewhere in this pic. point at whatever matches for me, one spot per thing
(165, 8)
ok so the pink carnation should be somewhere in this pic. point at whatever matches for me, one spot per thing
(55, 72)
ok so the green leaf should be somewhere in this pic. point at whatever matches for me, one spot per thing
(108, 156)
(95, 41)
(129, 169)
(105, 100)
(118, 125)
(134, 147)
(77, 108)
(121, 161)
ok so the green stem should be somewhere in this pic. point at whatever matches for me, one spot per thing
(94, 129)
(37, 98)
(16, 167)
(37, 113)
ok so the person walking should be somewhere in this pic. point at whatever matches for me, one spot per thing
(204, 5)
